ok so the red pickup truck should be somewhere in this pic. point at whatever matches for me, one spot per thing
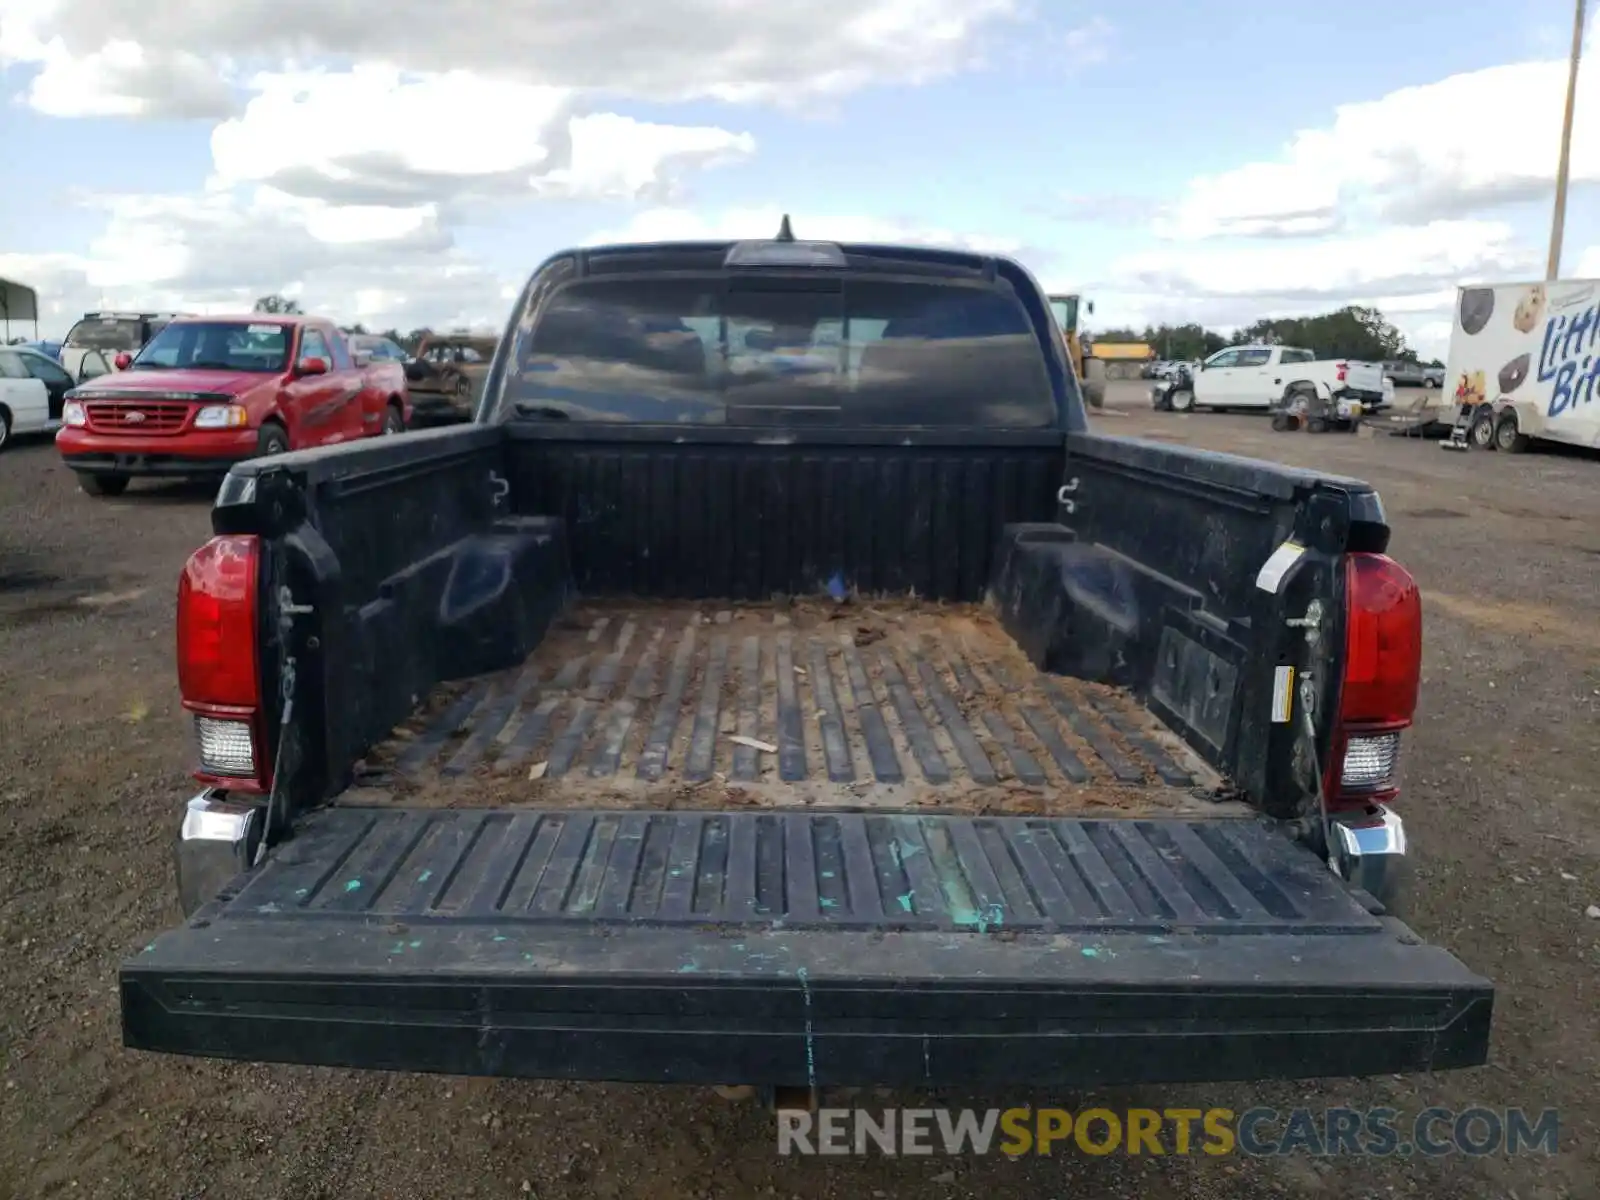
(207, 392)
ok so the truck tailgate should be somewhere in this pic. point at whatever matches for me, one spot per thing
(800, 947)
(1368, 377)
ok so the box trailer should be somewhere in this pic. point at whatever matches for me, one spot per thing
(1525, 364)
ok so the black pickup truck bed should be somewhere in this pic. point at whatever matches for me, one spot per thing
(1045, 892)
(881, 704)
(676, 727)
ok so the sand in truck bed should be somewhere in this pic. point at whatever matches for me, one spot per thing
(859, 706)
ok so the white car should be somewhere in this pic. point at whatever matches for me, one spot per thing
(1262, 376)
(34, 387)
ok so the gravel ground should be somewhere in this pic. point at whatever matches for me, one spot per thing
(1500, 799)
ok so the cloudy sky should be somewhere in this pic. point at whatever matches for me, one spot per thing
(408, 162)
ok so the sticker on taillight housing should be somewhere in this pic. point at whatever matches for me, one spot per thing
(1276, 569)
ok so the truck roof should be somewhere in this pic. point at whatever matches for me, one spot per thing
(650, 257)
(121, 315)
(253, 319)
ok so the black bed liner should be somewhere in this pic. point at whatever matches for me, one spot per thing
(794, 948)
(887, 706)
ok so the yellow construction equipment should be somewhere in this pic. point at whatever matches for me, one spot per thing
(1123, 360)
(1090, 368)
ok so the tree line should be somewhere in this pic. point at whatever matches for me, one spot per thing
(1349, 332)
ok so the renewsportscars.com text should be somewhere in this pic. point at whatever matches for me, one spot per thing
(1257, 1132)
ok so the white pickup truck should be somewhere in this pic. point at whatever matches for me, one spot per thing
(1260, 376)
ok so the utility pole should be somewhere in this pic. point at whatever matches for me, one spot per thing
(1558, 219)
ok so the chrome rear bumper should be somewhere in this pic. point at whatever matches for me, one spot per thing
(1370, 851)
(216, 842)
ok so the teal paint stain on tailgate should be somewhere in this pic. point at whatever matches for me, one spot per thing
(964, 908)
(426, 875)
(991, 916)
(353, 885)
(903, 849)
(906, 902)
(811, 1042)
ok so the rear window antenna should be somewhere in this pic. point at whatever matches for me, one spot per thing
(785, 232)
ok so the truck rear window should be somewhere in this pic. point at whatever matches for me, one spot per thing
(107, 333)
(734, 350)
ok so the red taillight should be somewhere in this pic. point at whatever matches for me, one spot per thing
(1383, 642)
(1341, 371)
(217, 624)
(1382, 672)
(219, 672)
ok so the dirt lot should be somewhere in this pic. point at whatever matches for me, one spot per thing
(1501, 800)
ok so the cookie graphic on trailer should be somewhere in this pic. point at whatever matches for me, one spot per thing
(1530, 309)
(1515, 373)
(1477, 306)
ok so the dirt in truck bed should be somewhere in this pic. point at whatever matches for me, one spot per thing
(888, 705)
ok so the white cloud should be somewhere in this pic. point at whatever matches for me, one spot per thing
(1089, 44)
(374, 136)
(1445, 149)
(668, 224)
(1395, 202)
(219, 252)
(119, 78)
(1409, 273)
(1386, 262)
(723, 49)
(353, 138)
(395, 265)
(618, 157)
